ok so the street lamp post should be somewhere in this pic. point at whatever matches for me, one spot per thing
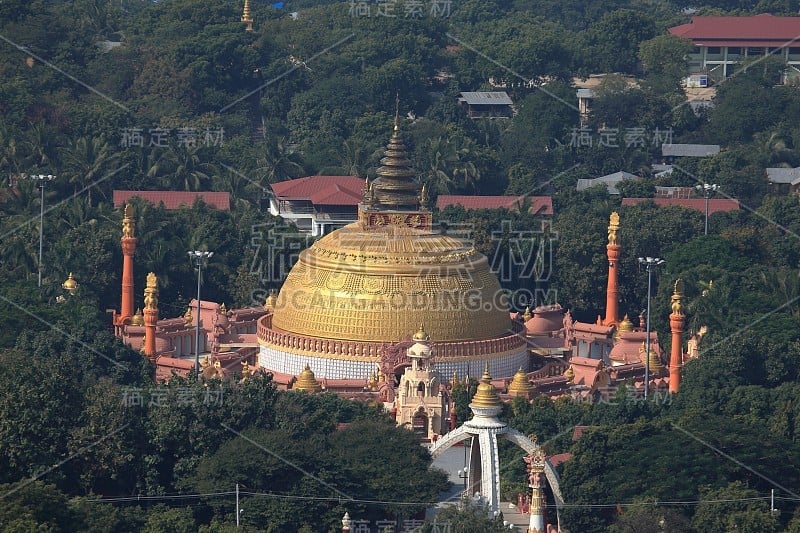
(707, 189)
(649, 263)
(42, 179)
(198, 255)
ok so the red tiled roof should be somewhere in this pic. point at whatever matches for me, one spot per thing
(542, 205)
(559, 458)
(715, 205)
(322, 190)
(758, 30)
(175, 199)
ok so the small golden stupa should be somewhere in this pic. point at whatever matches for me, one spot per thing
(527, 314)
(626, 326)
(187, 317)
(520, 386)
(269, 303)
(306, 381)
(138, 318)
(486, 395)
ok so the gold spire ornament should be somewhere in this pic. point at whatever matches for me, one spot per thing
(527, 314)
(222, 309)
(128, 224)
(151, 292)
(246, 17)
(613, 227)
(187, 316)
(271, 301)
(306, 381)
(625, 326)
(569, 374)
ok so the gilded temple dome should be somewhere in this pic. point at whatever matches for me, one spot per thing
(379, 283)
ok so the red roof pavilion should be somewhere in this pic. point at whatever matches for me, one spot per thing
(758, 30)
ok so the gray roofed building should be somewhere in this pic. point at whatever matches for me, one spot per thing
(610, 181)
(487, 104)
(779, 175)
(689, 150)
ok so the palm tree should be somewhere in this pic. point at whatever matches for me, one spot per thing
(184, 165)
(278, 162)
(41, 148)
(86, 160)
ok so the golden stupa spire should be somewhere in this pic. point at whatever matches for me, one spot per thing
(625, 326)
(396, 186)
(486, 395)
(306, 381)
(520, 386)
(187, 316)
(128, 224)
(246, 17)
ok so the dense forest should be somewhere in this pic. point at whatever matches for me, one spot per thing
(176, 95)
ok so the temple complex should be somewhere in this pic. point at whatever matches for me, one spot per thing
(347, 320)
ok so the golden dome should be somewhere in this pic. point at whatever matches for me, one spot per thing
(520, 386)
(138, 318)
(486, 395)
(306, 381)
(377, 284)
(421, 335)
(70, 285)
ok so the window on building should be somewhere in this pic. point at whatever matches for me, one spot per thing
(755, 51)
(714, 50)
(734, 51)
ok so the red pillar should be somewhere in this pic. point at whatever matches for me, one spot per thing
(677, 321)
(150, 316)
(128, 241)
(126, 305)
(612, 291)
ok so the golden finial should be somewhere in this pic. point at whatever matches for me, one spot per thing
(137, 319)
(677, 298)
(613, 226)
(246, 18)
(246, 370)
(187, 316)
(527, 314)
(151, 292)
(128, 223)
(421, 334)
(222, 309)
(70, 285)
(306, 381)
(423, 196)
(486, 395)
(569, 374)
(455, 379)
(206, 362)
(397, 111)
(520, 386)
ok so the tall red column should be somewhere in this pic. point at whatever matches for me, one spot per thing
(612, 291)
(150, 316)
(128, 248)
(677, 322)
